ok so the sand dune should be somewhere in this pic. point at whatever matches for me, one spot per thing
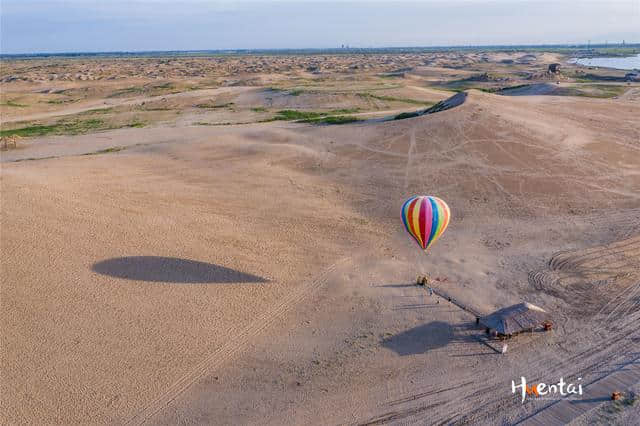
(258, 274)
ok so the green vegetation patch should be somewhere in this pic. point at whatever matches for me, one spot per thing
(106, 150)
(461, 86)
(209, 105)
(319, 117)
(292, 114)
(135, 90)
(13, 103)
(63, 127)
(598, 90)
(66, 127)
(501, 89)
(394, 99)
(61, 101)
(97, 111)
(313, 116)
(581, 77)
(344, 111)
(292, 92)
(136, 124)
(152, 90)
(334, 119)
(615, 51)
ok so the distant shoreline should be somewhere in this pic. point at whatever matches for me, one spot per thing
(612, 50)
(627, 63)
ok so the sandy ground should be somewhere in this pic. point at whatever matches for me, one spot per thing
(110, 103)
(258, 273)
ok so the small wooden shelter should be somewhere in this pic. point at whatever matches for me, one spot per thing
(515, 319)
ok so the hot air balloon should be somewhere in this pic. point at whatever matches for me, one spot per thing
(425, 218)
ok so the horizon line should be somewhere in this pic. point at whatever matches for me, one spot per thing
(347, 49)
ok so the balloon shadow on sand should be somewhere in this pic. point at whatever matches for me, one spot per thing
(420, 339)
(171, 270)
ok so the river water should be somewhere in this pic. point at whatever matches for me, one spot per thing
(621, 63)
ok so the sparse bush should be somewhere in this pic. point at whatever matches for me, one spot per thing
(333, 119)
(207, 105)
(13, 103)
(9, 142)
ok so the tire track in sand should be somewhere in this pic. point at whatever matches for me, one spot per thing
(412, 146)
(217, 358)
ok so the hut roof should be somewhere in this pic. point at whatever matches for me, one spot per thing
(516, 318)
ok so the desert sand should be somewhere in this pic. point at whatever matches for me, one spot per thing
(171, 254)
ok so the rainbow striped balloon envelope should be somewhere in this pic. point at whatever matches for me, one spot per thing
(425, 218)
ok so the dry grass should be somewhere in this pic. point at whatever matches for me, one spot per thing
(9, 142)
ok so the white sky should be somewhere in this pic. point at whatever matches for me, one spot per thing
(117, 25)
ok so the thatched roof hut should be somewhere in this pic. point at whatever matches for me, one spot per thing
(514, 319)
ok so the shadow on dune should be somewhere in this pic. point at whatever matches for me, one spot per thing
(171, 270)
(420, 339)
